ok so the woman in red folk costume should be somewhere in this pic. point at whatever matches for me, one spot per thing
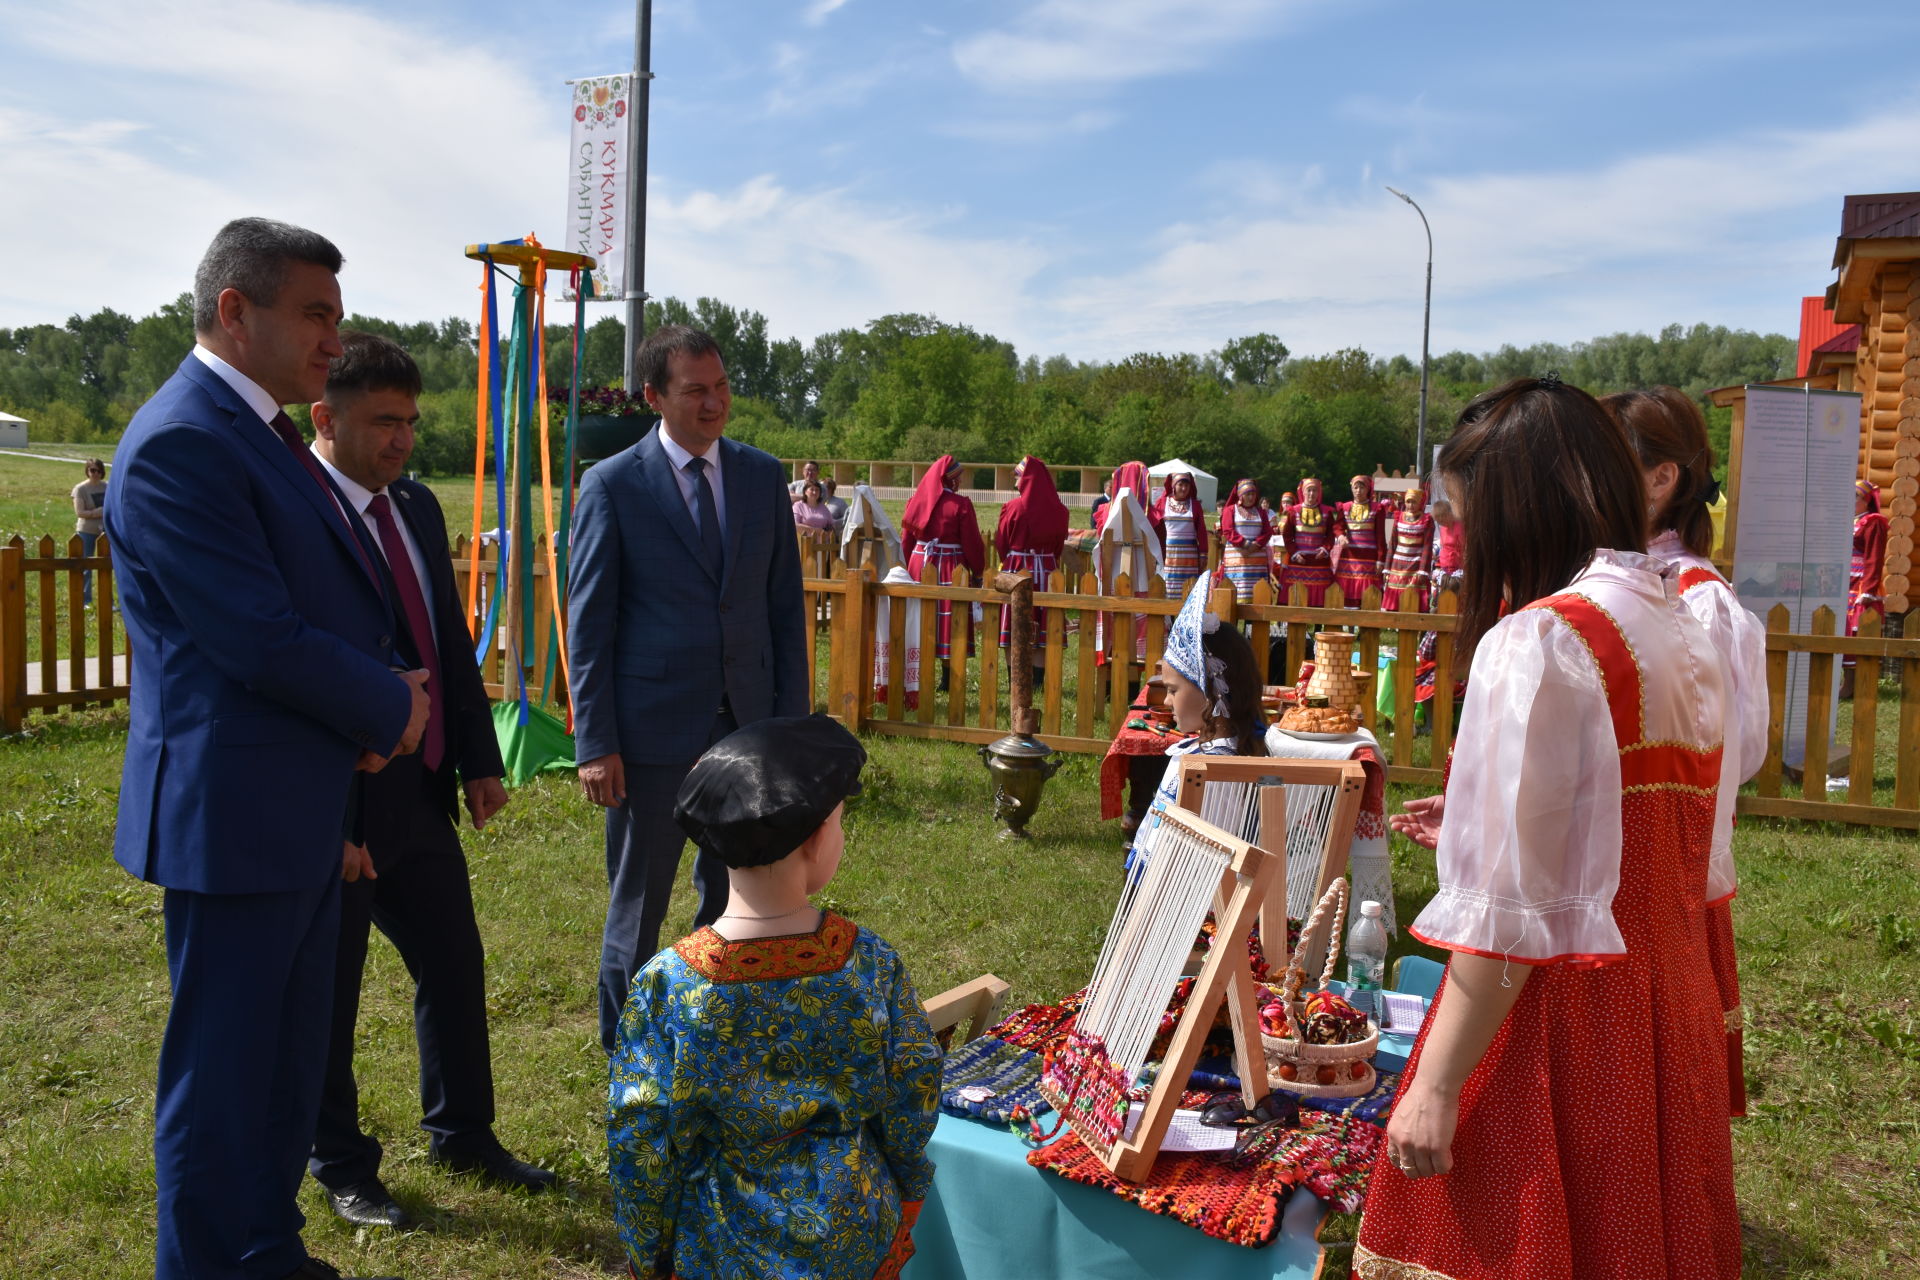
(1307, 533)
(1669, 433)
(1409, 554)
(1246, 532)
(1033, 527)
(1559, 1115)
(939, 528)
(1864, 582)
(1180, 518)
(1369, 524)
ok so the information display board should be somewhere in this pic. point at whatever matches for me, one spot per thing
(1795, 536)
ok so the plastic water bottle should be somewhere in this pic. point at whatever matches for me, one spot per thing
(1367, 952)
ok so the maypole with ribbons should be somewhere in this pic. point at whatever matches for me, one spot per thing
(515, 428)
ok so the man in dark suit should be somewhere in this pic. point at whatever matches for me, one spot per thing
(412, 880)
(684, 621)
(264, 671)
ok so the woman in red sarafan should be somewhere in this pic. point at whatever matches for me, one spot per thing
(1562, 1113)
(1307, 534)
(1246, 530)
(1180, 519)
(1869, 556)
(1669, 433)
(1032, 529)
(1410, 554)
(1368, 523)
(939, 528)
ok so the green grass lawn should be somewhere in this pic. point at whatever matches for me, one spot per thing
(1828, 919)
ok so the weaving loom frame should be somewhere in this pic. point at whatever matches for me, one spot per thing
(1225, 975)
(1349, 776)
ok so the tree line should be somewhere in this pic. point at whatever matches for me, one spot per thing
(913, 386)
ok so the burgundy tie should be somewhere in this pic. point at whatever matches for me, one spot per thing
(290, 436)
(433, 746)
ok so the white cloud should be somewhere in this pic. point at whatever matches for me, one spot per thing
(1029, 129)
(814, 261)
(1673, 236)
(1073, 44)
(400, 146)
(819, 11)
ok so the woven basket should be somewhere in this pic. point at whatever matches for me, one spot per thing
(1309, 1060)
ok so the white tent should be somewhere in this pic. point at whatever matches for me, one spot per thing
(1209, 486)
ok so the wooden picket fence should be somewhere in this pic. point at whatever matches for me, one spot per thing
(47, 662)
(55, 654)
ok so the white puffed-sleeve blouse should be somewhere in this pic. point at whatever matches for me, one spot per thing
(1529, 852)
(1740, 639)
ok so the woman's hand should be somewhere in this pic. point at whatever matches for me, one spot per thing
(1420, 1135)
(1420, 821)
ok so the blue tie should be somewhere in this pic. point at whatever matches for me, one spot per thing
(707, 518)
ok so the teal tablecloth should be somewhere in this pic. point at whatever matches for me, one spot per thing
(993, 1216)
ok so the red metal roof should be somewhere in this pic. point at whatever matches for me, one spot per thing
(1818, 327)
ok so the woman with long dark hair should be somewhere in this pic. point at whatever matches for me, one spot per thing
(1669, 433)
(1561, 1113)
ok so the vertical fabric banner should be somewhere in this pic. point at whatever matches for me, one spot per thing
(597, 163)
(1795, 537)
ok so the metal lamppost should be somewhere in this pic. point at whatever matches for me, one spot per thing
(1426, 324)
(637, 190)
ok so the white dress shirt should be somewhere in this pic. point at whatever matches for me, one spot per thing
(361, 497)
(689, 485)
(257, 397)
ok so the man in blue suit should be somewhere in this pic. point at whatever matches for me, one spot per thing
(264, 673)
(685, 621)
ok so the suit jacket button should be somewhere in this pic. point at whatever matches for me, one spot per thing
(385, 642)
(725, 607)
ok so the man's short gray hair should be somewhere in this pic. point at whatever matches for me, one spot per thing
(252, 255)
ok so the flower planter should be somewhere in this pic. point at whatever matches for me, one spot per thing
(601, 435)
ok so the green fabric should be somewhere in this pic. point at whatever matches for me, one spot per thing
(993, 1214)
(539, 745)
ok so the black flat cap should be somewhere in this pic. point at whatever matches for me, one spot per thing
(760, 791)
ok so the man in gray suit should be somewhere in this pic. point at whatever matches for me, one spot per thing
(685, 621)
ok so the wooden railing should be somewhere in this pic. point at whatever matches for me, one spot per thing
(56, 653)
(1087, 689)
(46, 660)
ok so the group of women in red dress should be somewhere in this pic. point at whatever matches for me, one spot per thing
(1566, 1108)
(1368, 543)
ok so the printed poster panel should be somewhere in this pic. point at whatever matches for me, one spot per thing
(597, 179)
(1795, 537)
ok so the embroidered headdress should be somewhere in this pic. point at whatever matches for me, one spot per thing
(1186, 649)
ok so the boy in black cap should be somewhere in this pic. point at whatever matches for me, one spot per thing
(775, 1080)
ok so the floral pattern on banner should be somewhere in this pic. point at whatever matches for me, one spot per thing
(770, 1125)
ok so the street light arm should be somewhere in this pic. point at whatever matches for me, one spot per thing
(1426, 328)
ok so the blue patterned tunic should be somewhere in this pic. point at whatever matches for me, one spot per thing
(769, 1108)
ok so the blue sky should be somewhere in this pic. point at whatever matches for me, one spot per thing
(1088, 177)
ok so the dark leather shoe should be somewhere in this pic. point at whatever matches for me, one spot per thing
(494, 1163)
(367, 1204)
(314, 1269)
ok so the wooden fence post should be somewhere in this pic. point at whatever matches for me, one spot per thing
(13, 636)
(1906, 785)
(849, 632)
(1768, 783)
(1866, 695)
(1813, 775)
